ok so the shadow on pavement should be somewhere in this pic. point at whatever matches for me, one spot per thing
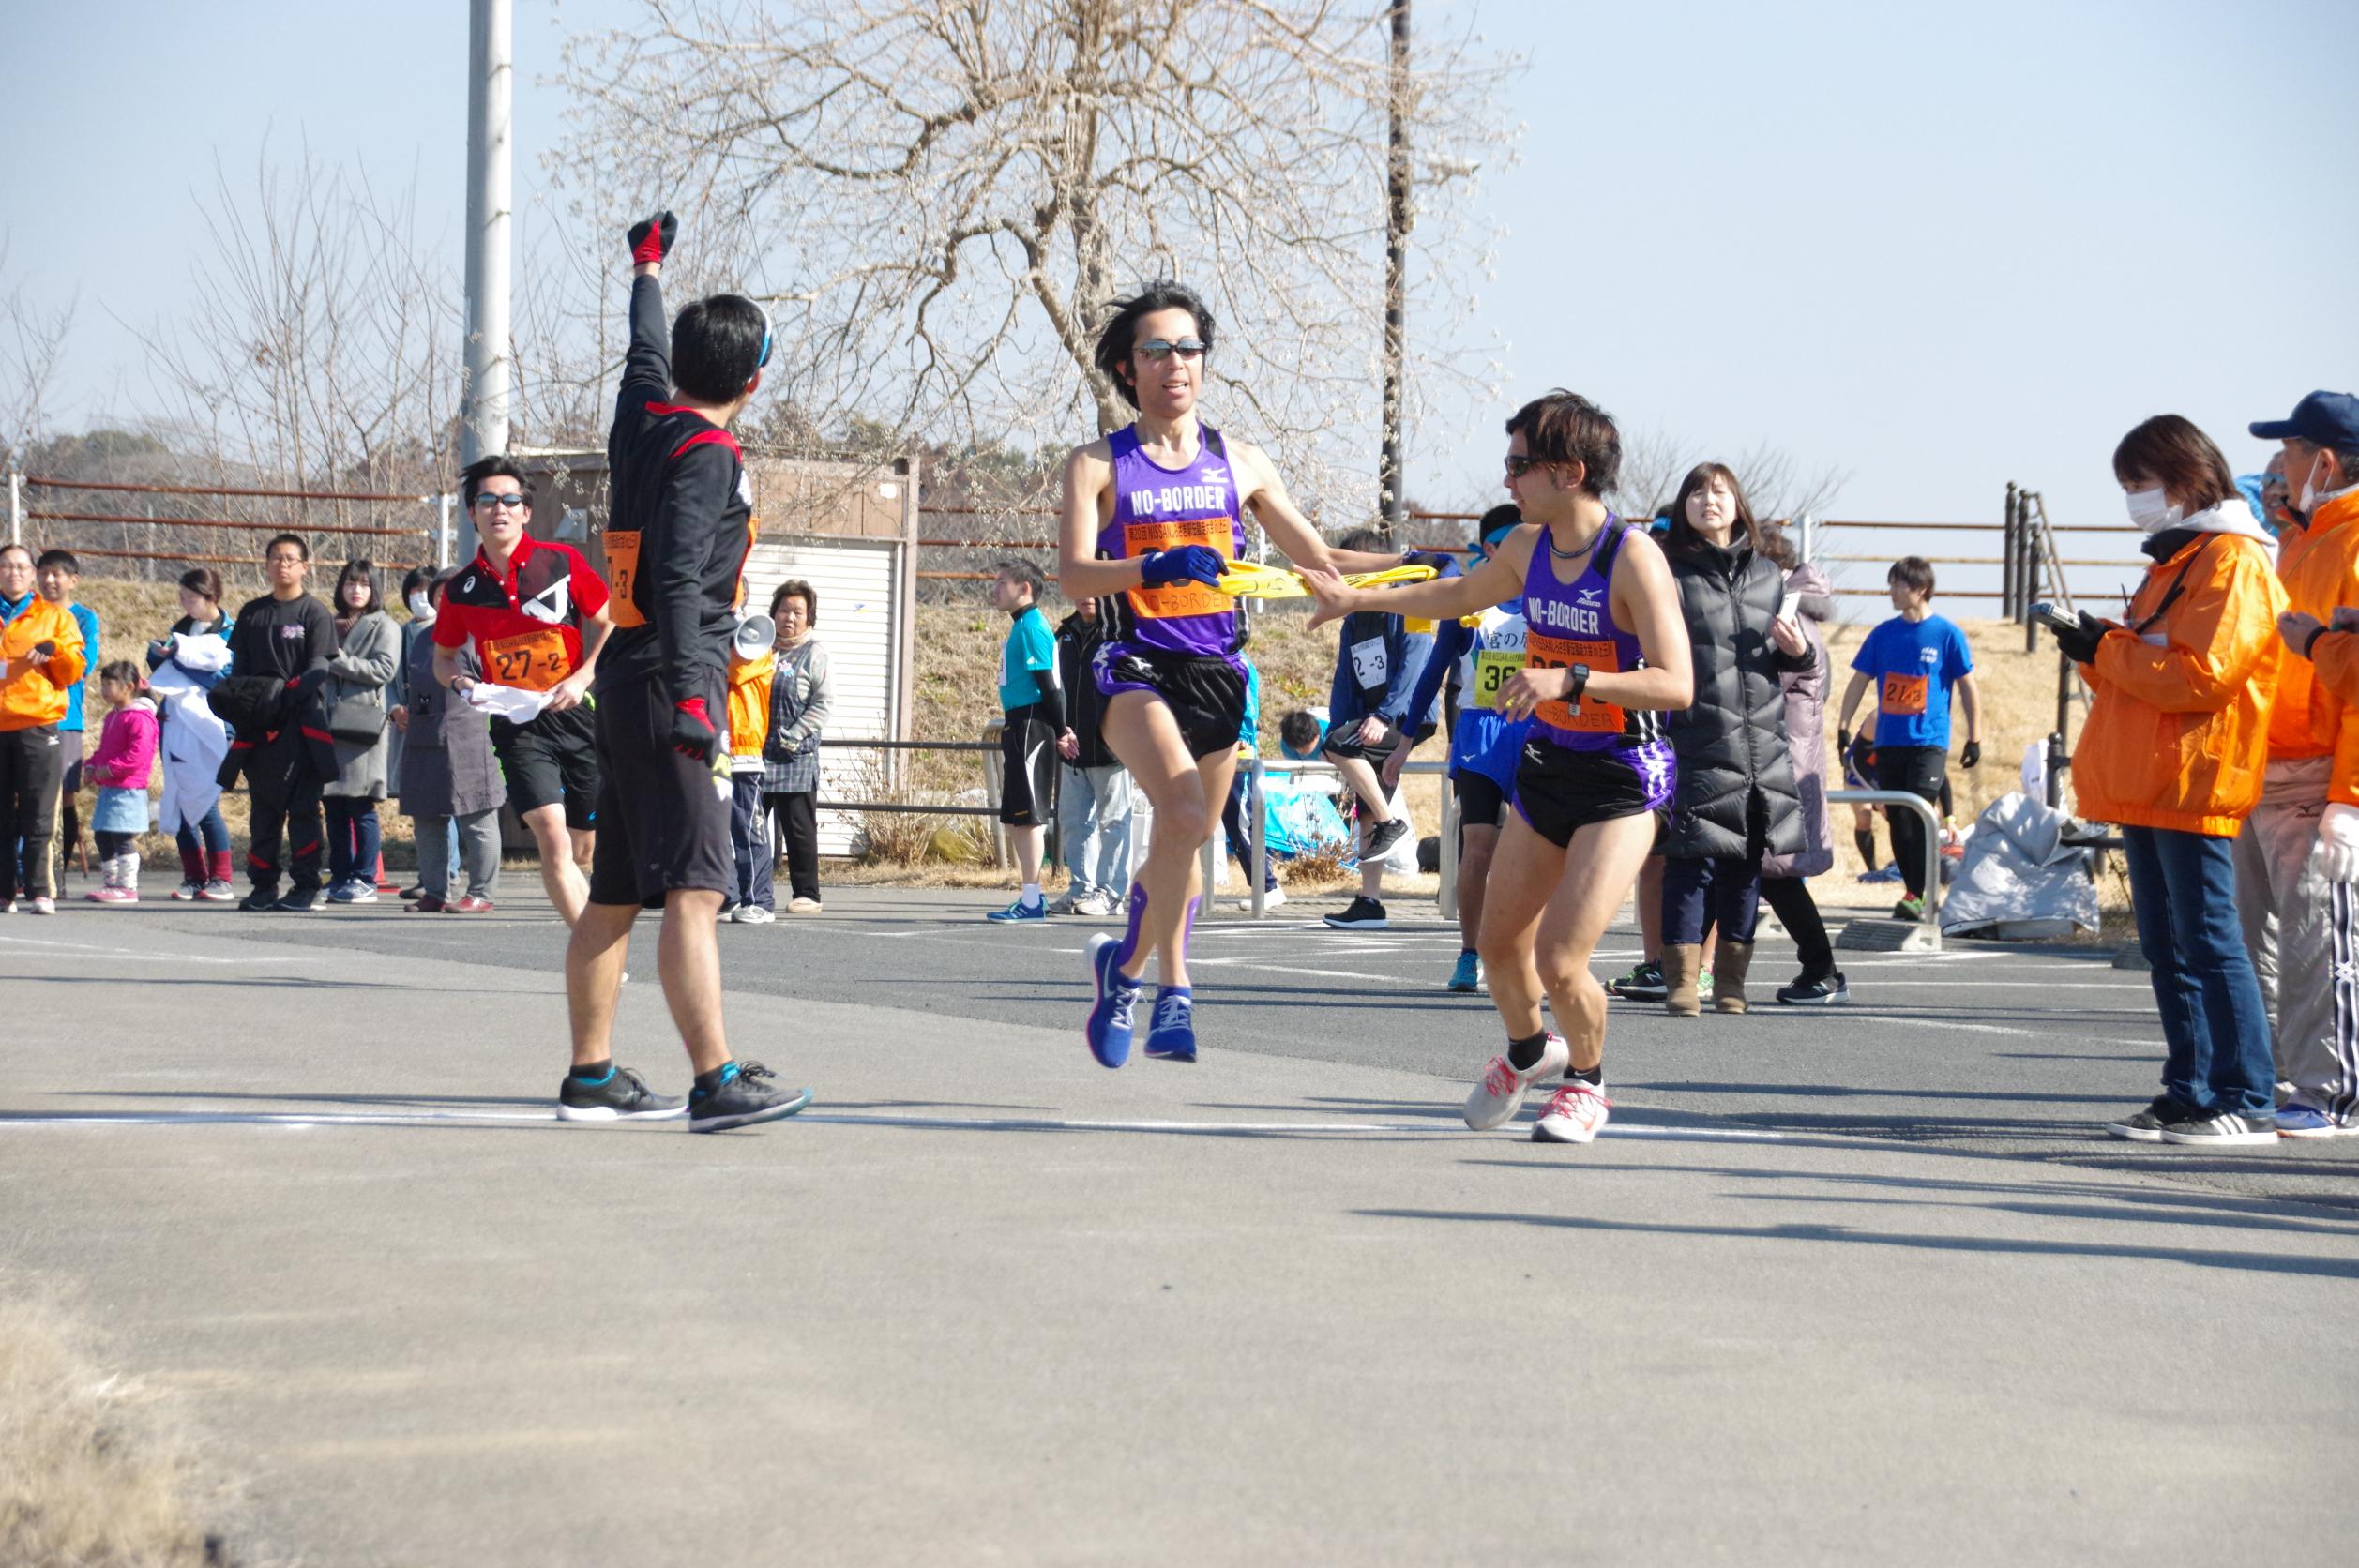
(2257, 1262)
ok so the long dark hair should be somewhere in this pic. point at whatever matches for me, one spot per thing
(1682, 533)
(357, 571)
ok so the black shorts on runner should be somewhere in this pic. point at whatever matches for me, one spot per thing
(1028, 768)
(1204, 692)
(1482, 800)
(1560, 791)
(661, 824)
(552, 760)
(1343, 740)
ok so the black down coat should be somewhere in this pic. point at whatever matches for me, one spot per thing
(1735, 769)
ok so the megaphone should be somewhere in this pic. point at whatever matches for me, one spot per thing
(755, 636)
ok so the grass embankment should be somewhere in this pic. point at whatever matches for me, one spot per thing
(956, 691)
(91, 1472)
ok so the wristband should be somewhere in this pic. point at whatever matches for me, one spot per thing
(2310, 644)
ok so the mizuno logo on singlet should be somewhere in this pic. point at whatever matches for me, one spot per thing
(1579, 620)
(1179, 498)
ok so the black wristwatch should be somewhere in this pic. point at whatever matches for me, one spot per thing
(1581, 683)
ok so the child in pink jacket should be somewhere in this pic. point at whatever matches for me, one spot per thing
(121, 767)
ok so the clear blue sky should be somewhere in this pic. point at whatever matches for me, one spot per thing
(1938, 246)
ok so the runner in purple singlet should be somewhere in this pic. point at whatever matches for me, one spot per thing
(1154, 511)
(1605, 652)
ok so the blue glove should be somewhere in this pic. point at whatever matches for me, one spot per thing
(1185, 564)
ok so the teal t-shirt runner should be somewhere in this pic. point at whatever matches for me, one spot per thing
(1027, 665)
(1914, 664)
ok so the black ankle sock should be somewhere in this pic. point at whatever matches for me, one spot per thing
(594, 1072)
(1590, 1076)
(1864, 839)
(1524, 1055)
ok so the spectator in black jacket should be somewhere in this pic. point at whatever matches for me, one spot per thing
(286, 636)
(1094, 796)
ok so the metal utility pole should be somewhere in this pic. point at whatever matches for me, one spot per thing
(491, 81)
(1389, 478)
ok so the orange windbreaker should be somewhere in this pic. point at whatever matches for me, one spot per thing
(2336, 654)
(749, 703)
(37, 695)
(2320, 567)
(2178, 736)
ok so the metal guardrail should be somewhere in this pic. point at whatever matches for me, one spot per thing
(1258, 864)
(1930, 920)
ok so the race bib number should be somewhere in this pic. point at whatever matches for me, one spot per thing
(1368, 665)
(622, 570)
(1904, 694)
(1493, 668)
(1180, 598)
(1592, 717)
(530, 661)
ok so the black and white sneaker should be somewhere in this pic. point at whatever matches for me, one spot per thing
(1643, 984)
(622, 1097)
(1825, 991)
(259, 900)
(749, 1095)
(1365, 914)
(2145, 1126)
(1383, 836)
(2224, 1131)
(301, 900)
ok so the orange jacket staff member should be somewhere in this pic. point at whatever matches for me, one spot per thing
(2176, 743)
(41, 658)
(2296, 860)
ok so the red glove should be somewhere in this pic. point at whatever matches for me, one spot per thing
(693, 733)
(650, 237)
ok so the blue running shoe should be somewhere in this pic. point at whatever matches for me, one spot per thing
(1172, 1035)
(2296, 1119)
(1888, 874)
(1021, 910)
(1109, 1025)
(1468, 975)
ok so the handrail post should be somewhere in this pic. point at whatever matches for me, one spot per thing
(1257, 831)
(16, 504)
(1931, 919)
(994, 789)
(1446, 861)
(2009, 561)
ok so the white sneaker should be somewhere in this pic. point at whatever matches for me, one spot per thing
(1495, 1099)
(186, 891)
(42, 906)
(1063, 903)
(1574, 1114)
(1094, 905)
(802, 906)
(752, 914)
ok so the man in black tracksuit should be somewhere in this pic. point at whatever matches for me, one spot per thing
(679, 525)
(286, 635)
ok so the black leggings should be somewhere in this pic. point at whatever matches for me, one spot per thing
(1921, 770)
(1790, 898)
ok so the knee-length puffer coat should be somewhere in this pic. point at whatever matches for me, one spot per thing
(1734, 763)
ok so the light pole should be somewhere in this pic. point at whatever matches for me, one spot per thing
(1390, 482)
(484, 396)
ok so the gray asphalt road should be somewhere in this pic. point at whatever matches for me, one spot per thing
(1851, 1288)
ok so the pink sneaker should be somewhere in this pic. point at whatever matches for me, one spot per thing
(1574, 1115)
(1495, 1099)
(113, 895)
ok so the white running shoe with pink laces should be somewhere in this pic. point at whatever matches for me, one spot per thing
(1495, 1099)
(1574, 1114)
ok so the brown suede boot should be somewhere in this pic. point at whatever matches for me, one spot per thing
(1730, 960)
(1683, 963)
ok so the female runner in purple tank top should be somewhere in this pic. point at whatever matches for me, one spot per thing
(1606, 651)
(1154, 511)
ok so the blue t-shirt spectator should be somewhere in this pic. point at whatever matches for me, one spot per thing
(1028, 662)
(1914, 664)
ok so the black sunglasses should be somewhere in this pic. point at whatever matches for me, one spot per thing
(1163, 348)
(1518, 467)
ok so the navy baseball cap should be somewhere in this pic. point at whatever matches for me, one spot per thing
(2322, 419)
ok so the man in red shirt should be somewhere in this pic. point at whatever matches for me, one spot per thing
(535, 614)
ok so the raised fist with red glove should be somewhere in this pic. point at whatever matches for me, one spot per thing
(651, 238)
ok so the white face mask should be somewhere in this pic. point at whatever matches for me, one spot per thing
(2150, 509)
(422, 608)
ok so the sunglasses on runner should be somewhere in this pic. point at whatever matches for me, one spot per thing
(1518, 467)
(1163, 348)
(484, 498)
